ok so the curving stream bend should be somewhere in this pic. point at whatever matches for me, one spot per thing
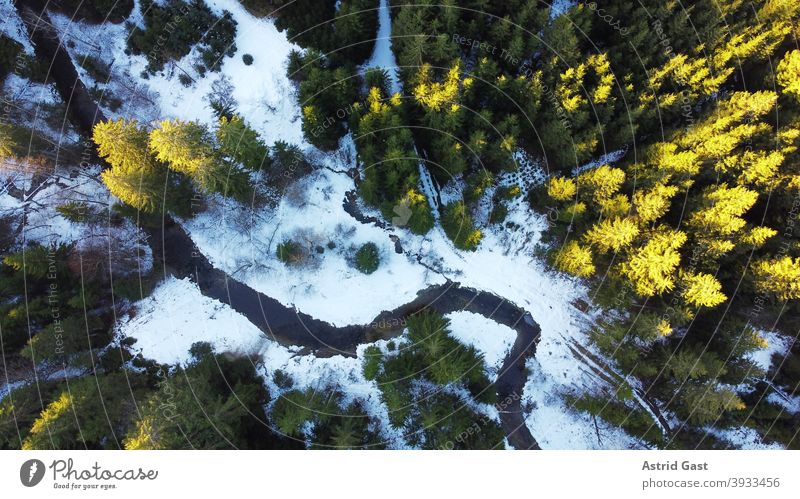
(288, 326)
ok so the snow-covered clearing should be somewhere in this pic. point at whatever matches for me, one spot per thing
(328, 287)
(493, 340)
(264, 94)
(177, 315)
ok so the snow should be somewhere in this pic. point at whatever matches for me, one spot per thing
(605, 159)
(329, 287)
(18, 88)
(382, 55)
(780, 345)
(46, 226)
(7, 388)
(743, 438)
(265, 96)
(559, 7)
(776, 344)
(491, 339)
(177, 315)
(791, 403)
(44, 373)
(12, 25)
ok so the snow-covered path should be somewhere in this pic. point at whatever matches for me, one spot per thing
(382, 55)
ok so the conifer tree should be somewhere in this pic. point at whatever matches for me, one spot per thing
(601, 182)
(575, 259)
(184, 145)
(612, 234)
(238, 141)
(213, 403)
(706, 402)
(780, 277)
(652, 204)
(788, 71)
(651, 267)
(561, 188)
(460, 227)
(702, 290)
(135, 176)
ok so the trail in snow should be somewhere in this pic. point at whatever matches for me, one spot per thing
(382, 55)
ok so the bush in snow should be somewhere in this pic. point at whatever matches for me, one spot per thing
(459, 226)
(290, 252)
(97, 69)
(247, 59)
(368, 258)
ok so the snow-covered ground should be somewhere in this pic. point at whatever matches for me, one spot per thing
(743, 438)
(264, 94)
(776, 344)
(382, 55)
(46, 226)
(558, 7)
(7, 388)
(493, 340)
(329, 287)
(177, 315)
(11, 25)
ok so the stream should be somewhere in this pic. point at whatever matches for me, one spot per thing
(290, 327)
(81, 108)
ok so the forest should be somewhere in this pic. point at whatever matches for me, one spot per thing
(666, 136)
